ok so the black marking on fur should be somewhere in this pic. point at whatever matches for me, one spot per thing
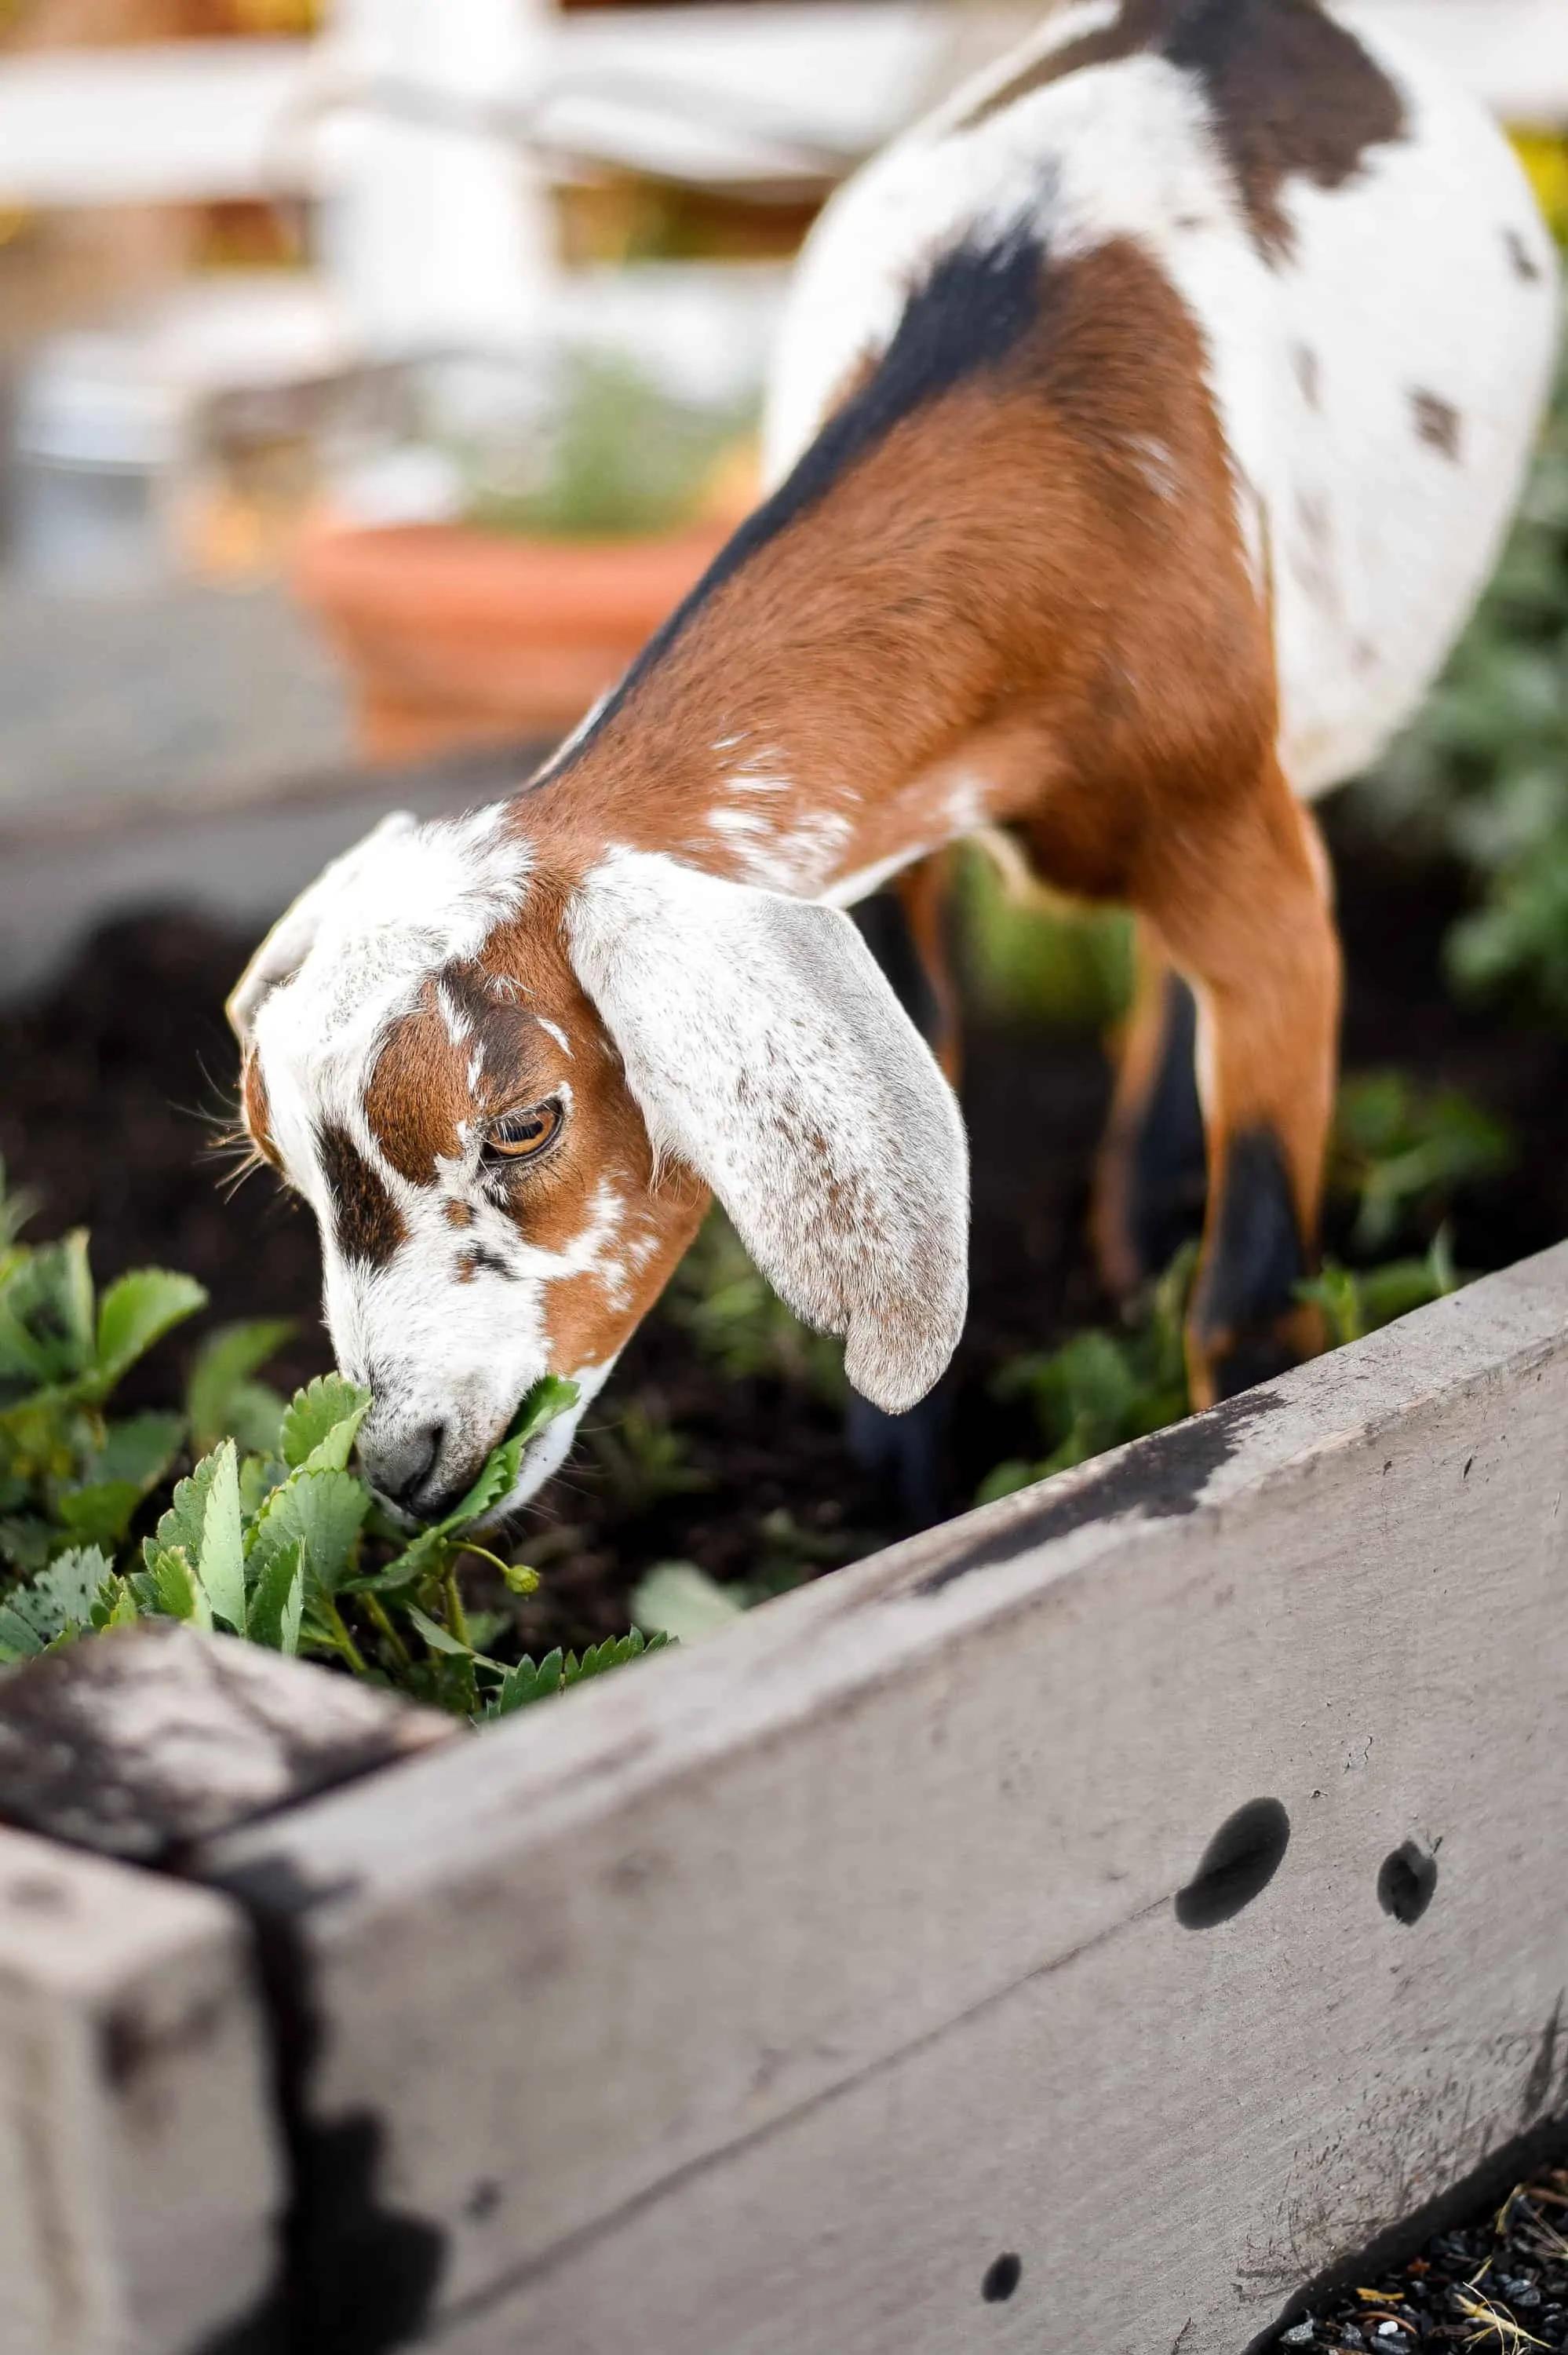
(366, 1220)
(1436, 423)
(1238, 1865)
(1159, 1478)
(1525, 265)
(1168, 1178)
(498, 1028)
(481, 1260)
(1406, 1883)
(1256, 1260)
(356, 2276)
(1291, 94)
(970, 314)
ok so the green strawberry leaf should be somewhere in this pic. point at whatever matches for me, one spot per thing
(546, 1401)
(186, 1520)
(441, 1639)
(277, 1606)
(324, 1510)
(18, 1640)
(99, 1514)
(177, 1591)
(321, 1422)
(140, 1448)
(222, 1401)
(136, 1311)
(220, 1559)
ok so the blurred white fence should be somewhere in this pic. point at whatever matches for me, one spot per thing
(429, 132)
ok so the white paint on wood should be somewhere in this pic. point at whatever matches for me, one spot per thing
(753, 2003)
(140, 2178)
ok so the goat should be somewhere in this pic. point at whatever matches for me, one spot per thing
(1146, 423)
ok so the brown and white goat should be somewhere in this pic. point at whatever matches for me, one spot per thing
(1146, 423)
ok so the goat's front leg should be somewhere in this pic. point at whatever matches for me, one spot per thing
(1241, 901)
(1151, 1177)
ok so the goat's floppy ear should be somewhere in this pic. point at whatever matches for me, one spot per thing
(292, 938)
(765, 1048)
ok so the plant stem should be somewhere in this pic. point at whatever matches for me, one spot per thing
(378, 1612)
(343, 1639)
(457, 1618)
(485, 1554)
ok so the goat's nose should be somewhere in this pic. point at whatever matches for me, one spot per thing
(400, 1472)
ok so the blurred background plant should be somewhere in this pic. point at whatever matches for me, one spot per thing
(619, 457)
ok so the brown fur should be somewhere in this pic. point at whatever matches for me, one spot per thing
(1035, 615)
(1028, 596)
(256, 1112)
(418, 1093)
(1291, 93)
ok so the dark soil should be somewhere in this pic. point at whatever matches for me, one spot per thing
(111, 1087)
(1499, 2284)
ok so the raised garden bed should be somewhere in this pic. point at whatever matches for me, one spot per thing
(1089, 1924)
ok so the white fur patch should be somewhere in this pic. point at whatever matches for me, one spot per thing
(1399, 279)
(765, 1048)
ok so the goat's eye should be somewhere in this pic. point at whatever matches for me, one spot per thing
(520, 1135)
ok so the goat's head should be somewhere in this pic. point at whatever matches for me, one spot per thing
(505, 1081)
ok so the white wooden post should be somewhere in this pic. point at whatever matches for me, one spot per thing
(141, 2177)
(438, 234)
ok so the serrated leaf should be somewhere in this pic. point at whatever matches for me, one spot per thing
(135, 1312)
(278, 1603)
(546, 1401)
(549, 1399)
(220, 1558)
(259, 1476)
(45, 1315)
(527, 1682)
(323, 1509)
(320, 1423)
(221, 1398)
(116, 1605)
(185, 1519)
(140, 1448)
(177, 1591)
(17, 1640)
(61, 1599)
(497, 1478)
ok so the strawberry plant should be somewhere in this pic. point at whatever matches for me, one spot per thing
(271, 1536)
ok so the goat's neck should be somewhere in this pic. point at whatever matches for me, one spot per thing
(825, 714)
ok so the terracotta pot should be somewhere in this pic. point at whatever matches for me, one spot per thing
(456, 636)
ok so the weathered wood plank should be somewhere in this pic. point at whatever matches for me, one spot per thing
(141, 2176)
(759, 2002)
(138, 1743)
